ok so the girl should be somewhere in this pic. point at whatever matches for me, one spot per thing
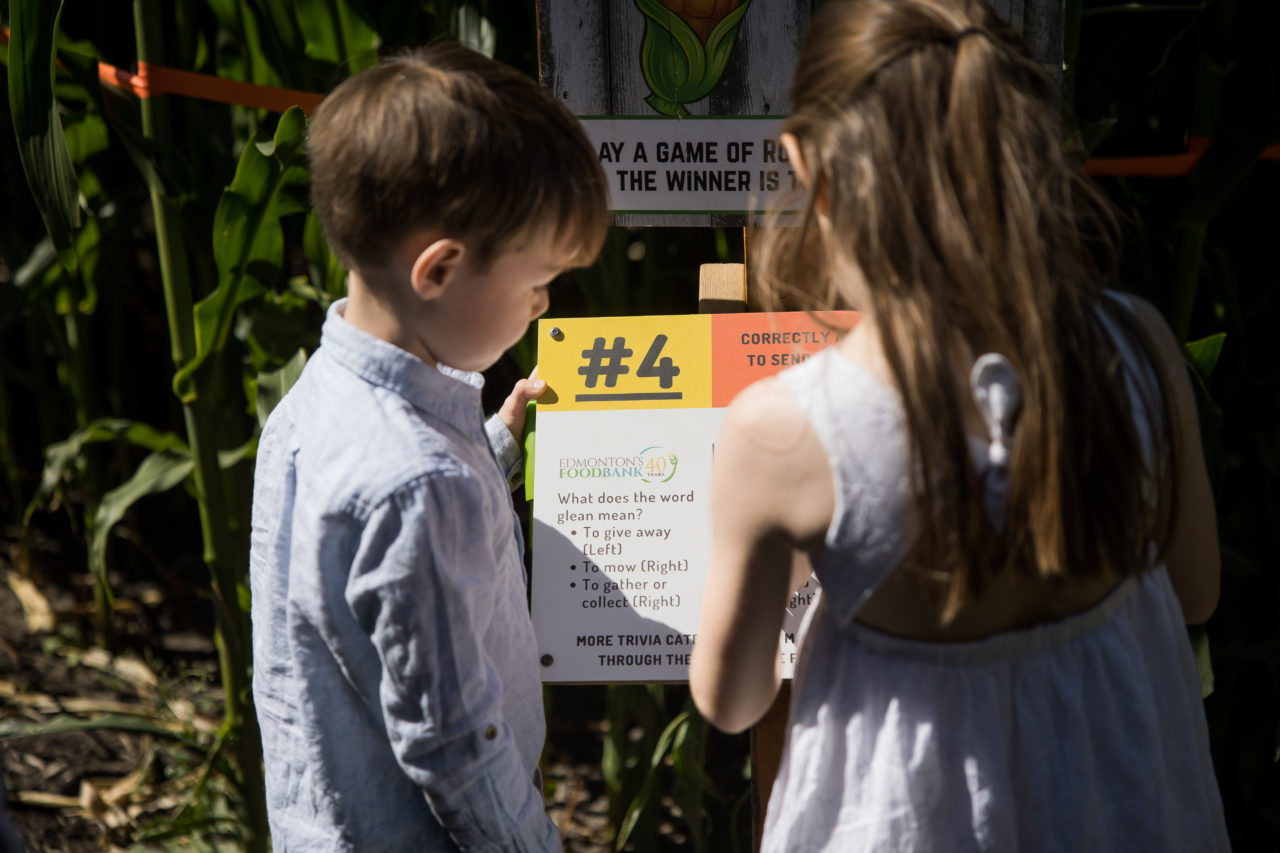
(996, 477)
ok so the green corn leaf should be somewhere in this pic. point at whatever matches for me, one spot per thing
(1095, 133)
(226, 11)
(283, 26)
(42, 144)
(157, 174)
(281, 42)
(688, 754)
(326, 271)
(265, 65)
(86, 136)
(672, 58)
(273, 385)
(1205, 353)
(612, 763)
(280, 322)
(228, 459)
(641, 801)
(60, 458)
(248, 243)
(88, 249)
(159, 472)
(34, 270)
(720, 46)
(77, 80)
(300, 287)
(16, 728)
(338, 31)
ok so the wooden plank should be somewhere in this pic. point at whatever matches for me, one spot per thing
(1042, 25)
(758, 81)
(573, 61)
(722, 288)
(627, 89)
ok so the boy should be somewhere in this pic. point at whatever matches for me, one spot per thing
(395, 667)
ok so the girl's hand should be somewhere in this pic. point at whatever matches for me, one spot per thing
(513, 408)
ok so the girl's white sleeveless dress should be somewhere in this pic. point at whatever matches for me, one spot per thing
(1086, 734)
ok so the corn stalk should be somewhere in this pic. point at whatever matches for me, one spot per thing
(217, 525)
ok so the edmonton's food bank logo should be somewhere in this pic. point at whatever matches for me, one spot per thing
(654, 464)
(659, 464)
(685, 49)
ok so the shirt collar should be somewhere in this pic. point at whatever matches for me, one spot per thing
(447, 393)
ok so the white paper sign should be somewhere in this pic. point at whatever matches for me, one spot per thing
(692, 165)
(622, 465)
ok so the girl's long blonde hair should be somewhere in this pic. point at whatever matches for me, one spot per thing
(936, 158)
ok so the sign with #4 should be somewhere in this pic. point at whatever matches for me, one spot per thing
(622, 463)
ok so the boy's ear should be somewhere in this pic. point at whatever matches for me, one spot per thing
(435, 267)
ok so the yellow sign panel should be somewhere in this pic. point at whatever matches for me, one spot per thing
(595, 363)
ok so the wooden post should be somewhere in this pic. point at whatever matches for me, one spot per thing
(722, 289)
(767, 739)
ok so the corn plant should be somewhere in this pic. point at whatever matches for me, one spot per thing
(224, 330)
(240, 267)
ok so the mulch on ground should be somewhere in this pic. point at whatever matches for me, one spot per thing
(105, 789)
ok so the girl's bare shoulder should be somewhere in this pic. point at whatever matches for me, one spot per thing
(768, 415)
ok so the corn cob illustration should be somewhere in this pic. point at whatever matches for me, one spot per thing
(686, 46)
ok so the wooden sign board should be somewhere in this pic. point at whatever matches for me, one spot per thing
(622, 465)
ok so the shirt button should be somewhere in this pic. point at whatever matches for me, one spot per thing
(490, 732)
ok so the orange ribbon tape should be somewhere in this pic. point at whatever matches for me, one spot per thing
(153, 80)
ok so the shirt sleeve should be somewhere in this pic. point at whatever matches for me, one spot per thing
(506, 450)
(422, 587)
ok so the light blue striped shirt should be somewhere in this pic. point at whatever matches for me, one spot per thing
(395, 666)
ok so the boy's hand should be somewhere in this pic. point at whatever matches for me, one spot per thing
(512, 411)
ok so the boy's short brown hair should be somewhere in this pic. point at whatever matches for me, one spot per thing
(444, 137)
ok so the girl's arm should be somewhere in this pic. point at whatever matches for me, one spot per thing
(1192, 555)
(771, 493)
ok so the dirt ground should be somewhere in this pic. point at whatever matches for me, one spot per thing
(109, 788)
